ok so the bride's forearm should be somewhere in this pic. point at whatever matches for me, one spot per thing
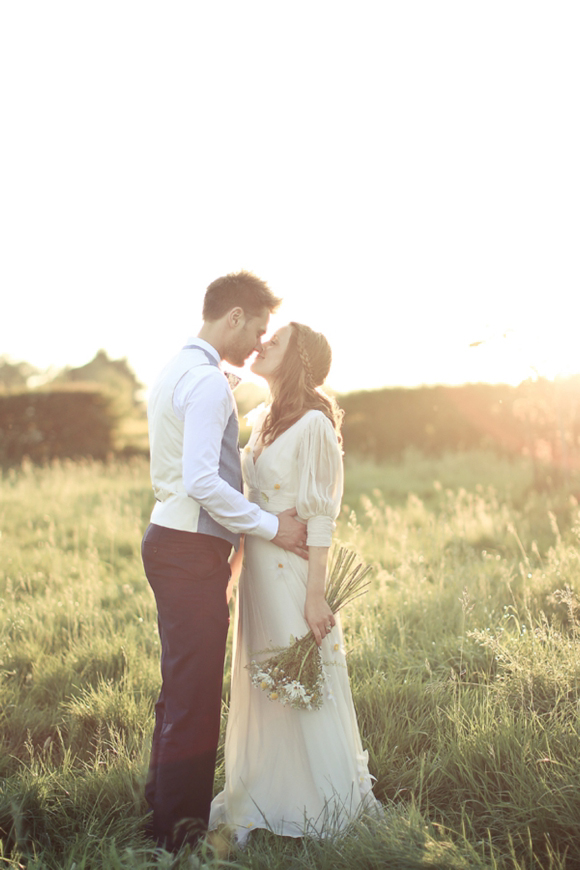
(317, 613)
(317, 561)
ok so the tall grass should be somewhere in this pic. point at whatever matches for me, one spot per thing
(464, 664)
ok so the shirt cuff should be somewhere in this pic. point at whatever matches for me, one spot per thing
(320, 531)
(267, 527)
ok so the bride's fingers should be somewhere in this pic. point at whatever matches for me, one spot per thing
(320, 620)
(317, 631)
(323, 629)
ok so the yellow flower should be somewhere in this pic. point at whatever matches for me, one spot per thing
(273, 696)
(336, 647)
(263, 684)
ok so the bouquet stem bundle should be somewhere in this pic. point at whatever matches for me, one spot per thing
(293, 674)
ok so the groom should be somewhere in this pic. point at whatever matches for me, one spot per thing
(198, 516)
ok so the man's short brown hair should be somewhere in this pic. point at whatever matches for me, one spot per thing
(241, 289)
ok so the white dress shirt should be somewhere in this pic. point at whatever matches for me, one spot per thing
(202, 399)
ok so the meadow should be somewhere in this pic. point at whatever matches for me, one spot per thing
(464, 661)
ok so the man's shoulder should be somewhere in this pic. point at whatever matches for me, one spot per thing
(204, 383)
(204, 374)
(190, 366)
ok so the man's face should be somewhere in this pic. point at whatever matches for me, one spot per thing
(246, 337)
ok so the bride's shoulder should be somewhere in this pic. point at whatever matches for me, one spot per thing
(317, 421)
(315, 415)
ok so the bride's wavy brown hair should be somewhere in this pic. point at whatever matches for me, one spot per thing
(304, 367)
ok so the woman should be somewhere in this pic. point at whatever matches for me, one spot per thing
(295, 772)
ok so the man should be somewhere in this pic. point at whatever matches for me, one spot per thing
(199, 515)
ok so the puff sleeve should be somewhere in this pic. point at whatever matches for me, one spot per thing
(321, 479)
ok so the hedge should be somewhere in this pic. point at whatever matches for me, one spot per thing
(55, 425)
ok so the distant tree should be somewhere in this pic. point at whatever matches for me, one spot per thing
(550, 413)
(384, 423)
(55, 424)
(85, 411)
(539, 418)
(14, 375)
(114, 376)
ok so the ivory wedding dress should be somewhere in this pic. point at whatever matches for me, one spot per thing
(295, 772)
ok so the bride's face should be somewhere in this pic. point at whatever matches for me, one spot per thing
(269, 360)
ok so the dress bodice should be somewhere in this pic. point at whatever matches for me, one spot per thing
(302, 468)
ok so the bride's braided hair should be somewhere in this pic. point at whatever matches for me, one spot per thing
(305, 366)
(303, 354)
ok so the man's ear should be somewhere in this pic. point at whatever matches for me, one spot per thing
(236, 317)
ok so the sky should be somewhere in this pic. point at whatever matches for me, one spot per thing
(404, 174)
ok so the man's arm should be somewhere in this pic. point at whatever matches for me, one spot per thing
(206, 407)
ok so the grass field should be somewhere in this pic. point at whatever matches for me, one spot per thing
(464, 661)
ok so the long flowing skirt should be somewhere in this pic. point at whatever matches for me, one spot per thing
(295, 772)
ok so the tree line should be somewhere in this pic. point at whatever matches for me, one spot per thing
(73, 413)
(539, 419)
(79, 412)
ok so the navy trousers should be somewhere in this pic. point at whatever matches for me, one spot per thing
(189, 574)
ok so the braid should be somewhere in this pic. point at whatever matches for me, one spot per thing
(303, 354)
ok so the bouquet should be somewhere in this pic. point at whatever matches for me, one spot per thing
(293, 674)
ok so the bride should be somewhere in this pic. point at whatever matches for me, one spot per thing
(295, 772)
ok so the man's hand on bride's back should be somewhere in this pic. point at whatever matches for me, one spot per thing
(291, 533)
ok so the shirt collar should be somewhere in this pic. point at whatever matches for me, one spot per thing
(200, 342)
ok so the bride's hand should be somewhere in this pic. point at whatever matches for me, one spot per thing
(319, 617)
